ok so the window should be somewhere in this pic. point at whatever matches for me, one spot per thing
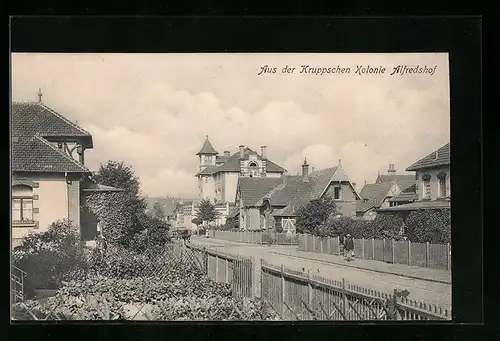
(426, 179)
(336, 193)
(22, 203)
(442, 184)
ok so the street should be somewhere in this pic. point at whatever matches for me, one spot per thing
(421, 290)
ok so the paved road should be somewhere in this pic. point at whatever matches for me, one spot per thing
(421, 290)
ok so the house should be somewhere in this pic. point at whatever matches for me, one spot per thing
(389, 190)
(168, 206)
(218, 174)
(374, 197)
(49, 178)
(268, 204)
(433, 182)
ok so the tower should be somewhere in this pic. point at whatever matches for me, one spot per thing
(206, 155)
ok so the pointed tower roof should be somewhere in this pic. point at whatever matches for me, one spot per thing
(207, 148)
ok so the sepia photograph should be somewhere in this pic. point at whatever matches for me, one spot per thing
(231, 187)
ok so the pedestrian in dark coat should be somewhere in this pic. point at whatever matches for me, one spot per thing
(349, 247)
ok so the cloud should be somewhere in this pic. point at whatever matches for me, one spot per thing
(153, 111)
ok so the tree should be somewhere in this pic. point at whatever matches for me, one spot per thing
(315, 215)
(158, 211)
(206, 211)
(120, 212)
(197, 221)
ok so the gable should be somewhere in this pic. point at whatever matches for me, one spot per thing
(440, 157)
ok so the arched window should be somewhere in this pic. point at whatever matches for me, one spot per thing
(22, 203)
(254, 171)
(426, 179)
(442, 184)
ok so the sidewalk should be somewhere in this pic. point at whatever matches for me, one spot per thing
(415, 272)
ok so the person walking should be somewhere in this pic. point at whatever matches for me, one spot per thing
(349, 247)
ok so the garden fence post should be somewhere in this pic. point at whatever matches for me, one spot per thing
(321, 244)
(346, 301)
(305, 241)
(328, 247)
(282, 289)
(373, 248)
(427, 256)
(448, 256)
(216, 268)
(392, 251)
(338, 245)
(227, 270)
(363, 248)
(314, 243)
(309, 290)
(409, 252)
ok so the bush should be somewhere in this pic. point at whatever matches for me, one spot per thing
(50, 257)
(232, 224)
(433, 226)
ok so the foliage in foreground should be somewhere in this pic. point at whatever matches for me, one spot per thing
(50, 257)
(177, 290)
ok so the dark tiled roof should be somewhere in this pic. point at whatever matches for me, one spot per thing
(372, 195)
(208, 170)
(288, 211)
(234, 213)
(320, 179)
(207, 148)
(253, 189)
(96, 187)
(292, 189)
(30, 118)
(35, 154)
(222, 158)
(233, 163)
(420, 205)
(408, 194)
(440, 157)
(403, 181)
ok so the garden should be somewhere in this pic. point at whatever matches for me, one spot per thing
(162, 283)
(135, 271)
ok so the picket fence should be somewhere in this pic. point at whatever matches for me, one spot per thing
(296, 295)
(436, 256)
(255, 237)
(228, 268)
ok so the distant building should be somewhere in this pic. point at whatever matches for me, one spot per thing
(433, 182)
(389, 190)
(218, 174)
(49, 178)
(270, 204)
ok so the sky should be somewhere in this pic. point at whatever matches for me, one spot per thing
(153, 111)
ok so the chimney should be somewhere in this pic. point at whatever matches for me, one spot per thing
(391, 169)
(305, 171)
(365, 182)
(263, 152)
(39, 95)
(340, 162)
(242, 152)
(227, 153)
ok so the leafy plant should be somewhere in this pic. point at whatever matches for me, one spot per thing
(158, 211)
(50, 257)
(433, 226)
(315, 215)
(118, 212)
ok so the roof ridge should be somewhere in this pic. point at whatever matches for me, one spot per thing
(55, 113)
(40, 138)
